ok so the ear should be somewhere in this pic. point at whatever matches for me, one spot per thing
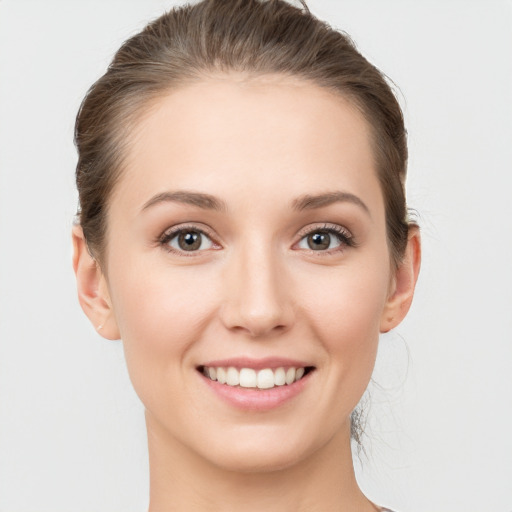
(403, 283)
(92, 288)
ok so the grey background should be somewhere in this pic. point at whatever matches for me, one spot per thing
(72, 436)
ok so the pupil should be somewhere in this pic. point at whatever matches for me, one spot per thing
(319, 241)
(190, 241)
(190, 238)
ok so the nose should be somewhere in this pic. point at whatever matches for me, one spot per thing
(257, 293)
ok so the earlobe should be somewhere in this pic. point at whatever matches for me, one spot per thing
(406, 275)
(92, 288)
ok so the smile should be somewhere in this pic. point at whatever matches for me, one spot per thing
(256, 385)
(266, 378)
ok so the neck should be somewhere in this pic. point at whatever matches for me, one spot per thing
(182, 480)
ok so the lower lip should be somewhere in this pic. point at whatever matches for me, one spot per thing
(252, 399)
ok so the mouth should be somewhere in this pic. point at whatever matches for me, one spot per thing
(262, 379)
(256, 385)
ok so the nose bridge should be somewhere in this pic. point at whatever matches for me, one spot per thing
(256, 293)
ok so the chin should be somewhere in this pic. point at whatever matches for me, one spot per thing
(259, 452)
(256, 461)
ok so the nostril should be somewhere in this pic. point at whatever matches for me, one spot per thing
(256, 303)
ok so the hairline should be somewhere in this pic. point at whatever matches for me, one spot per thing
(145, 104)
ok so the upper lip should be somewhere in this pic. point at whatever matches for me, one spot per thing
(257, 364)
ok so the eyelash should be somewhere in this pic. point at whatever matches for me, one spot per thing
(172, 233)
(344, 237)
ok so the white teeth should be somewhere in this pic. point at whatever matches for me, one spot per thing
(265, 379)
(221, 375)
(290, 375)
(280, 377)
(247, 378)
(250, 378)
(232, 377)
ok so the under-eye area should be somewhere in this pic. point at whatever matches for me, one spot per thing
(266, 378)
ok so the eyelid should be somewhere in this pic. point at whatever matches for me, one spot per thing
(344, 235)
(324, 226)
(171, 232)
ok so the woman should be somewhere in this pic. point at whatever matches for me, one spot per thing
(243, 229)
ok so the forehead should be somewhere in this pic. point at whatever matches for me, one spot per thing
(266, 136)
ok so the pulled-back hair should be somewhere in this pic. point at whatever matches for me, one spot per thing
(256, 37)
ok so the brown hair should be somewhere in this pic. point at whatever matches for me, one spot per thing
(254, 36)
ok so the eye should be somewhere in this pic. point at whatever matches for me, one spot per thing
(186, 240)
(326, 239)
(319, 241)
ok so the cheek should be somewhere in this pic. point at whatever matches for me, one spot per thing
(160, 312)
(347, 303)
(346, 314)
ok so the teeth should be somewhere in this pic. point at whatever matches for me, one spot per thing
(250, 378)
(280, 377)
(266, 379)
(247, 378)
(290, 375)
(221, 375)
(232, 377)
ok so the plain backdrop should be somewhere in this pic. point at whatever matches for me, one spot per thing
(439, 435)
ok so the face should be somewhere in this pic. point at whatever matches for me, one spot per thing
(247, 241)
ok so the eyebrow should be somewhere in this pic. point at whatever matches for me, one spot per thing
(209, 202)
(204, 201)
(309, 202)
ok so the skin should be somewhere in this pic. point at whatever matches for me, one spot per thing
(254, 289)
